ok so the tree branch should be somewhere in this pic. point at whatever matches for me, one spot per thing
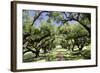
(38, 16)
(77, 19)
(29, 50)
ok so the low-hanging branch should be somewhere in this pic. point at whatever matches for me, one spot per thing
(77, 20)
(68, 18)
(29, 49)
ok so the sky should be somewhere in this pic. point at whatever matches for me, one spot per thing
(44, 17)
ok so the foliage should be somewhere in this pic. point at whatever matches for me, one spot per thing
(45, 30)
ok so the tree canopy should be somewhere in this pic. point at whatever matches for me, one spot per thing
(44, 30)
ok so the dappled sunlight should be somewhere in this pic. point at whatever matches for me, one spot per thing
(56, 36)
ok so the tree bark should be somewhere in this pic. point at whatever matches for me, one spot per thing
(37, 53)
